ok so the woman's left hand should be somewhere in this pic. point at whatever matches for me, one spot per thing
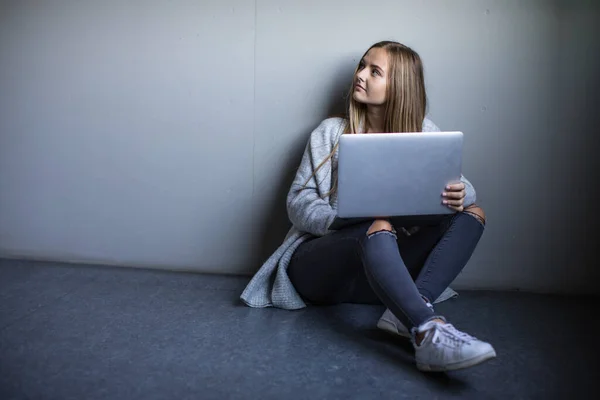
(454, 196)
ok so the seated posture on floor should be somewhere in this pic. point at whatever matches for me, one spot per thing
(407, 267)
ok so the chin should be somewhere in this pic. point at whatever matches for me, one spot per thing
(359, 97)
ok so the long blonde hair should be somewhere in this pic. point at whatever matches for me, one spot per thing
(406, 100)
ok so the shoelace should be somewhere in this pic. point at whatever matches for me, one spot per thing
(450, 335)
(456, 332)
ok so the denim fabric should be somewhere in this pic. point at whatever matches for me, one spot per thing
(399, 270)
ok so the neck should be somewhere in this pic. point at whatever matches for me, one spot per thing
(374, 121)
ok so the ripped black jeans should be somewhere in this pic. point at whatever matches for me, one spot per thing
(396, 269)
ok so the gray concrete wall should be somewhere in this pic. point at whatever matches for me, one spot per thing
(165, 134)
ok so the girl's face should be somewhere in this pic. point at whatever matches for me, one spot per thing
(370, 81)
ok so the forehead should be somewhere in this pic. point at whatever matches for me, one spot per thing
(377, 56)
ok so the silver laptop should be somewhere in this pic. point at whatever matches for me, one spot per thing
(396, 174)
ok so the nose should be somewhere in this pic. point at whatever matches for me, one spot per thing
(360, 75)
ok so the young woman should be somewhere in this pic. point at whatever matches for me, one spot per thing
(407, 267)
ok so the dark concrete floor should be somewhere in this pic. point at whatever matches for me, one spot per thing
(90, 332)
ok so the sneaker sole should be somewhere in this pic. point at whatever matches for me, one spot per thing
(389, 327)
(459, 365)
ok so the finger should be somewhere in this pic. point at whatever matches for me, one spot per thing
(454, 195)
(455, 187)
(455, 203)
(457, 209)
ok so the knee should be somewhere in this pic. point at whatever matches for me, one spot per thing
(476, 212)
(380, 225)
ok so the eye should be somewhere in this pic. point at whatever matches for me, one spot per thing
(361, 65)
(376, 72)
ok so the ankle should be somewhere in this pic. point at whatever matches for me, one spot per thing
(421, 335)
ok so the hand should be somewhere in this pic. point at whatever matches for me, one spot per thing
(454, 196)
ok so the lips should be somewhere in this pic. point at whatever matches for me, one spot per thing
(357, 86)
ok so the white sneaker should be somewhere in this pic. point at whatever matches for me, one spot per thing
(445, 348)
(389, 323)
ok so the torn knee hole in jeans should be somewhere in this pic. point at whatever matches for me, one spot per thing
(382, 231)
(476, 216)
